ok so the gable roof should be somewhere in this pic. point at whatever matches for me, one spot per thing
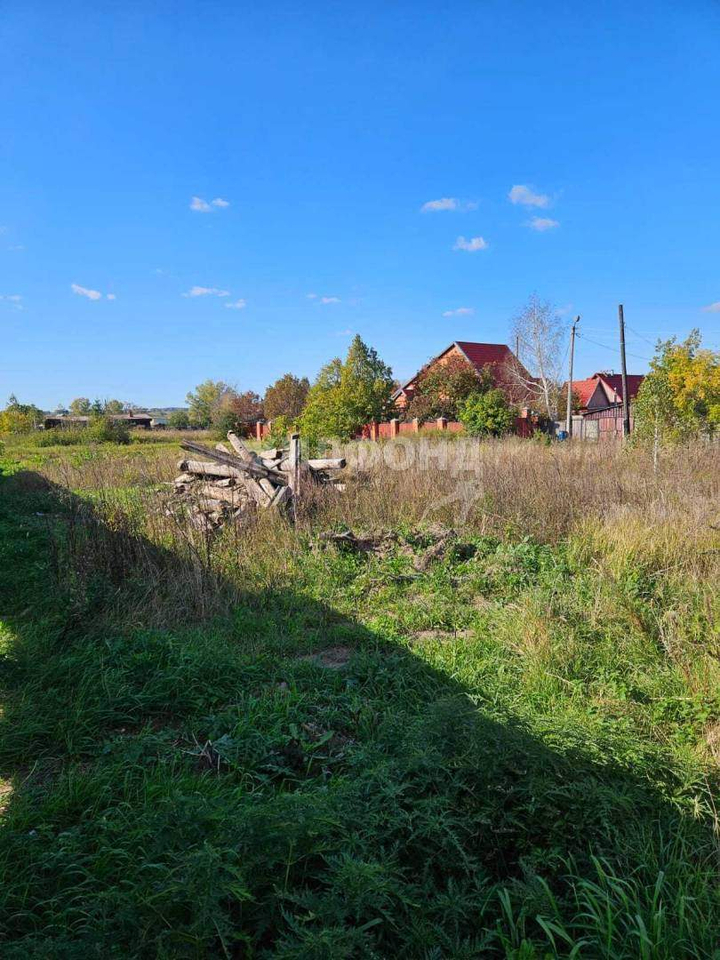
(584, 389)
(478, 354)
(614, 381)
(611, 384)
(483, 354)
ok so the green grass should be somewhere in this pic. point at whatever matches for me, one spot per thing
(512, 762)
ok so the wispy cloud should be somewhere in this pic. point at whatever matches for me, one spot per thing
(111, 296)
(542, 223)
(202, 206)
(471, 245)
(447, 203)
(344, 333)
(84, 292)
(325, 300)
(523, 194)
(460, 312)
(236, 304)
(206, 292)
(712, 307)
(13, 299)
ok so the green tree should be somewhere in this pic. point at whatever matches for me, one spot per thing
(487, 414)
(205, 401)
(179, 420)
(680, 397)
(348, 394)
(80, 407)
(114, 407)
(20, 417)
(443, 387)
(286, 397)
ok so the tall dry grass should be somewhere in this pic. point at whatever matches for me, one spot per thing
(615, 503)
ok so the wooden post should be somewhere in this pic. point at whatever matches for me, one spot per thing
(259, 430)
(568, 415)
(441, 423)
(623, 361)
(294, 466)
(416, 425)
(394, 427)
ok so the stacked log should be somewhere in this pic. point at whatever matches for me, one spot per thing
(230, 484)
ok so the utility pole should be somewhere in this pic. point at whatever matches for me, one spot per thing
(623, 362)
(568, 415)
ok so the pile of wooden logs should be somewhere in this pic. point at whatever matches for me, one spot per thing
(229, 484)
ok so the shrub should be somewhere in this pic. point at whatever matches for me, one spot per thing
(102, 430)
(487, 414)
(179, 420)
(279, 430)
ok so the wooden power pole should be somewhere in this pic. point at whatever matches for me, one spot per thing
(623, 362)
(568, 414)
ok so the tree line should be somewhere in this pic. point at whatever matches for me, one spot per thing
(679, 398)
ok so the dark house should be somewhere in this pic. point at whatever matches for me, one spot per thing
(142, 421)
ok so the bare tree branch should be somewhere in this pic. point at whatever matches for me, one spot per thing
(540, 335)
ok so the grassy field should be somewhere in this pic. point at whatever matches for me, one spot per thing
(498, 742)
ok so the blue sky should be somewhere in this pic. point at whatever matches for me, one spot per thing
(325, 129)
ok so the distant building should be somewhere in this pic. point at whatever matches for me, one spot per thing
(498, 358)
(132, 420)
(603, 390)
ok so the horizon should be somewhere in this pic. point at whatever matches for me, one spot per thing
(232, 197)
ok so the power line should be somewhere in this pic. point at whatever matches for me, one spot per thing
(612, 349)
(639, 336)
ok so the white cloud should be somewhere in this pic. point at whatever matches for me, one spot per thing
(206, 292)
(12, 297)
(525, 195)
(84, 292)
(202, 206)
(329, 299)
(471, 245)
(111, 296)
(344, 333)
(542, 223)
(237, 304)
(447, 203)
(460, 312)
(312, 296)
(712, 307)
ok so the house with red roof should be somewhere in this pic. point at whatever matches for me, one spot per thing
(498, 358)
(603, 390)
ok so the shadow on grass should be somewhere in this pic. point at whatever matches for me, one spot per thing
(206, 789)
